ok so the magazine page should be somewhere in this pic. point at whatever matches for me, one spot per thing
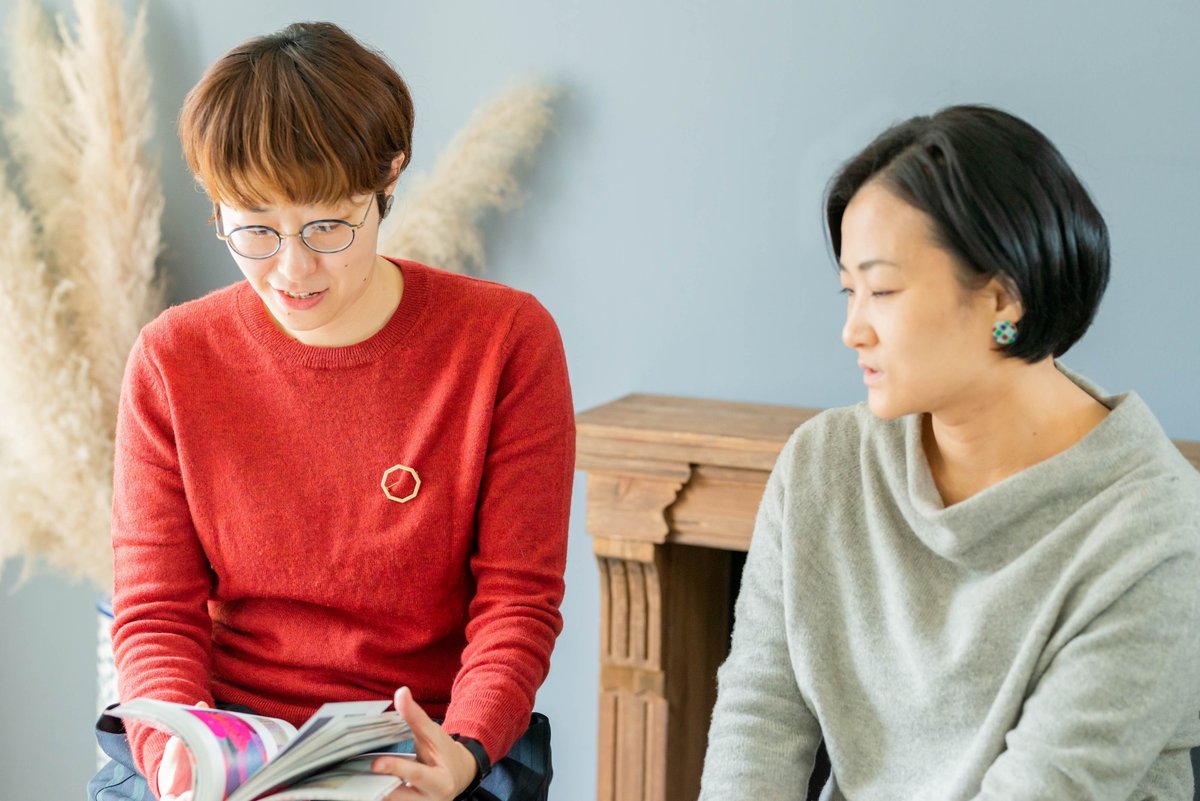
(351, 780)
(276, 734)
(334, 733)
(227, 748)
(342, 709)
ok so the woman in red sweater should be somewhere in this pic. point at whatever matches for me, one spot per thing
(346, 474)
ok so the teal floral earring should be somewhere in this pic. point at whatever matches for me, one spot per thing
(1005, 333)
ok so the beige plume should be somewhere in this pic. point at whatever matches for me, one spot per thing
(77, 275)
(437, 221)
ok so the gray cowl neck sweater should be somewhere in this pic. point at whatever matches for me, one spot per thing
(1039, 640)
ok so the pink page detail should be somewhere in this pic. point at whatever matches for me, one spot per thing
(243, 749)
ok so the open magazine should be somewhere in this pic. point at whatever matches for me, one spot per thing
(240, 757)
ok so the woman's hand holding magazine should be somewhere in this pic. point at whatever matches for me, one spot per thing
(175, 770)
(241, 757)
(443, 768)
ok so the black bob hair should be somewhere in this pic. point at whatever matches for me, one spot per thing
(1004, 202)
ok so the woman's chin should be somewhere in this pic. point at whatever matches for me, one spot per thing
(882, 408)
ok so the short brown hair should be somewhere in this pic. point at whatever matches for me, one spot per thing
(308, 115)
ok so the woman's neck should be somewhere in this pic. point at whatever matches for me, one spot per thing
(1030, 414)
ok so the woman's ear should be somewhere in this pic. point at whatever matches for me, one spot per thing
(1007, 299)
(397, 165)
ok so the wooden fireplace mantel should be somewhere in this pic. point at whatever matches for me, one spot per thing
(673, 489)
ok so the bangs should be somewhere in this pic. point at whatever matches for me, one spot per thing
(273, 123)
(258, 184)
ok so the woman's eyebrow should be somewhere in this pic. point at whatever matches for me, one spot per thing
(868, 264)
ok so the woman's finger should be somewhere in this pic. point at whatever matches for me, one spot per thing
(443, 767)
(423, 726)
(174, 774)
(406, 769)
(405, 792)
(175, 769)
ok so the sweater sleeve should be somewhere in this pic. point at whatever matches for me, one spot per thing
(521, 523)
(763, 739)
(1117, 698)
(161, 629)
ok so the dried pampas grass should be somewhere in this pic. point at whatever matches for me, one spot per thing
(77, 275)
(438, 218)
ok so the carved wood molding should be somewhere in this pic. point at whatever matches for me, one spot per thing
(717, 507)
(628, 499)
(633, 698)
(666, 475)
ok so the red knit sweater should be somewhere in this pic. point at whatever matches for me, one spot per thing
(259, 558)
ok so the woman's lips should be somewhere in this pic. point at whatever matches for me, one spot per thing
(871, 375)
(299, 304)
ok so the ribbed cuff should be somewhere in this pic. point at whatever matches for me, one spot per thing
(148, 754)
(492, 718)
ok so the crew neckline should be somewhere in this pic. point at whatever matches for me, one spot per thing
(262, 328)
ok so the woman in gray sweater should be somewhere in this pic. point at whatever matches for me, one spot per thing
(984, 582)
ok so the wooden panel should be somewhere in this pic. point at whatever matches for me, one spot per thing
(624, 465)
(606, 613)
(654, 613)
(637, 612)
(688, 430)
(654, 782)
(631, 747)
(619, 638)
(626, 550)
(631, 612)
(606, 775)
(638, 741)
(730, 457)
(633, 679)
(717, 508)
(697, 421)
(633, 701)
(630, 507)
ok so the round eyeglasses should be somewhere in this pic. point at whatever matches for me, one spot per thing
(263, 241)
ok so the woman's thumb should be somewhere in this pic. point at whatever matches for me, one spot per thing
(412, 713)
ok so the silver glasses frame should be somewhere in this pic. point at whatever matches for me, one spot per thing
(279, 237)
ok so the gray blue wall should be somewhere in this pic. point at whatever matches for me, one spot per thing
(673, 225)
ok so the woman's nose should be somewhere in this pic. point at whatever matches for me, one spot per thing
(294, 260)
(857, 332)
